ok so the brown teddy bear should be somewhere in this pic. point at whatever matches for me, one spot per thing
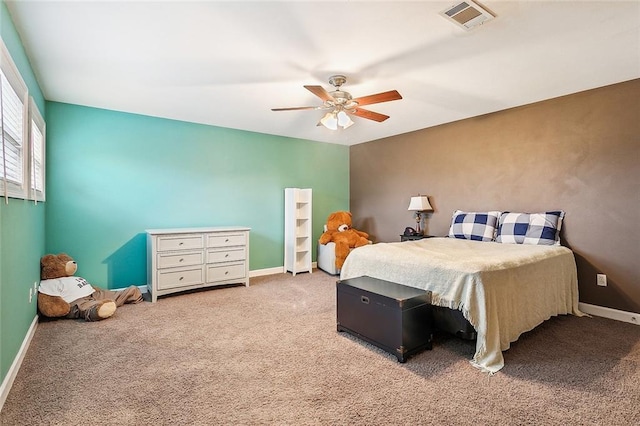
(62, 295)
(339, 230)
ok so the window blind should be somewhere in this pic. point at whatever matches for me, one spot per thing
(15, 149)
(12, 125)
(37, 143)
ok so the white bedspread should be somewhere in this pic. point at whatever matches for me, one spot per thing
(503, 290)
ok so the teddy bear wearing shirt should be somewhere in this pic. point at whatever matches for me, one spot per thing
(63, 295)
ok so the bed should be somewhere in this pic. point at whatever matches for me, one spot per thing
(502, 289)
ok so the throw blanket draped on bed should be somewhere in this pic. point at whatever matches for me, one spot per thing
(503, 290)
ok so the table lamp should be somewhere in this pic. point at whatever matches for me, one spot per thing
(419, 204)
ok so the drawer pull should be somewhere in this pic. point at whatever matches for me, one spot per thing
(226, 255)
(226, 241)
(364, 299)
(181, 278)
(181, 243)
(181, 260)
(226, 272)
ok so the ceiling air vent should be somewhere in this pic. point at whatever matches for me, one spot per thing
(467, 14)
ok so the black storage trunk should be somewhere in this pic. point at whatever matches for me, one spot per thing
(393, 317)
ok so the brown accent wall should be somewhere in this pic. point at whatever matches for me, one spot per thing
(579, 153)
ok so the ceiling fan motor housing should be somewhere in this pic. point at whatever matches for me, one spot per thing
(340, 98)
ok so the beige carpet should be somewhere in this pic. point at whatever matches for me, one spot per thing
(270, 354)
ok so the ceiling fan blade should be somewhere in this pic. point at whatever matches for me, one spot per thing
(369, 115)
(391, 95)
(320, 92)
(295, 108)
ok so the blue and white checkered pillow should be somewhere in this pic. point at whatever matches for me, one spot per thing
(530, 228)
(478, 226)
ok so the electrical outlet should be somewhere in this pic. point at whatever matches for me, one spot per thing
(602, 280)
(33, 291)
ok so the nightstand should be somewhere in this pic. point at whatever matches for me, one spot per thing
(413, 237)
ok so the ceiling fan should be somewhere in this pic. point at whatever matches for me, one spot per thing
(341, 104)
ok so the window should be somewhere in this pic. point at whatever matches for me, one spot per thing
(22, 136)
(37, 144)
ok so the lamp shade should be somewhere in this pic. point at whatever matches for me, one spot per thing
(344, 120)
(420, 204)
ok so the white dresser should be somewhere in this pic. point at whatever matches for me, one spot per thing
(181, 259)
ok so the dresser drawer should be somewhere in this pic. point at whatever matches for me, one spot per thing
(177, 259)
(226, 240)
(179, 242)
(180, 277)
(223, 272)
(226, 255)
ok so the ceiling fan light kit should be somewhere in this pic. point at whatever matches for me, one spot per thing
(332, 120)
(341, 104)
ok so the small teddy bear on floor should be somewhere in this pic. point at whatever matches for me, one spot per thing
(63, 295)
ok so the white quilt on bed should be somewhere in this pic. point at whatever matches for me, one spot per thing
(503, 290)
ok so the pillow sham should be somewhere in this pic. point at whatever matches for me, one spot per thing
(530, 228)
(478, 226)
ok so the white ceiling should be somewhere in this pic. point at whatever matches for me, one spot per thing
(228, 63)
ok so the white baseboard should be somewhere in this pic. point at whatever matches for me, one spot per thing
(267, 271)
(614, 314)
(272, 271)
(17, 362)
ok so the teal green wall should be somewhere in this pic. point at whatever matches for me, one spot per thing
(111, 175)
(22, 233)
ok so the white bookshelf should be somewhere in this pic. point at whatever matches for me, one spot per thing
(297, 230)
